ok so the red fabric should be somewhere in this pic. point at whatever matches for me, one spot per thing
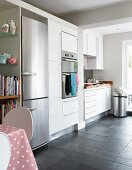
(77, 79)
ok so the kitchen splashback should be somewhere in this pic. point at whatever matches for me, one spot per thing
(88, 74)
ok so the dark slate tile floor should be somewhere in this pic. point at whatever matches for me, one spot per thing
(105, 144)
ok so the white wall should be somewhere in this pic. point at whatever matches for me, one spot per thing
(113, 58)
(115, 12)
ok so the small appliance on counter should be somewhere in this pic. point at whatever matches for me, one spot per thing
(69, 75)
(92, 81)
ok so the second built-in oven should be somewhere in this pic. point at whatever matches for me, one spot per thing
(69, 74)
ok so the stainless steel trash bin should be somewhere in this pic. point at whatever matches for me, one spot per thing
(120, 102)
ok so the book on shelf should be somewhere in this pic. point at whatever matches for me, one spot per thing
(9, 85)
(6, 106)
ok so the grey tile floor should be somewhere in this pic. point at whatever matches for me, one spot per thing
(105, 144)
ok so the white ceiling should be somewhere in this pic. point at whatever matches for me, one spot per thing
(114, 29)
(61, 7)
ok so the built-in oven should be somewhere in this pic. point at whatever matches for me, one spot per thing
(69, 74)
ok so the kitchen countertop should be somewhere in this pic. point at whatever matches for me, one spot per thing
(86, 86)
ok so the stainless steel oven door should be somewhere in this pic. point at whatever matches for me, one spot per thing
(66, 88)
(64, 95)
(69, 66)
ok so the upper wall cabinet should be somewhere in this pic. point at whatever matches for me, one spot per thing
(69, 39)
(90, 45)
(93, 50)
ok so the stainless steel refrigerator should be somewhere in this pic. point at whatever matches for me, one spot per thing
(34, 77)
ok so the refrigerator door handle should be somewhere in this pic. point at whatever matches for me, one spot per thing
(32, 109)
(28, 74)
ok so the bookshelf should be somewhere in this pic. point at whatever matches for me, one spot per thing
(8, 64)
(10, 73)
(9, 97)
(6, 35)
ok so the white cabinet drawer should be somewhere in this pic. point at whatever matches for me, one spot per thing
(90, 98)
(70, 106)
(90, 103)
(70, 120)
(90, 114)
(90, 109)
(90, 93)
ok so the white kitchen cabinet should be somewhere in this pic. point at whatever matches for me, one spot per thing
(85, 42)
(89, 47)
(69, 42)
(70, 112)
(54, 40)
(69, 30)
(99, 57)
(90, 103)
(97, 100)
(62, 113)
(70, 120)
(108, 98)
(93, 50)
(55, 99)
(55, 96)
(101, 100)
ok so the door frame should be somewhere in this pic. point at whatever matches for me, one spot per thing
(125, 62)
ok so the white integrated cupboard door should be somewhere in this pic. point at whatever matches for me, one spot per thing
(55, 100)
(101, 100)
(93, 46)
(70, 112)
(108, 98)
(69, 42)
(55, 97)
(54, 40)
(90, 103)
(97, 100)
(99, 59)
(89, 43)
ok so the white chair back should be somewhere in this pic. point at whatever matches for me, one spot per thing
(20, 117)
(5, 151)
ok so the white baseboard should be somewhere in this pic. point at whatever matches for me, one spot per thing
(80, 125)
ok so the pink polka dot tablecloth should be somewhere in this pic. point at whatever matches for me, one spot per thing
(21, 153)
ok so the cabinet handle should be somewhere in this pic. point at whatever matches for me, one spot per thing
(90, 112)
(32, 109)
(89, 97)
(87, 101)
(70, 60)
(70, 113)
(88, 107)
(28, 74)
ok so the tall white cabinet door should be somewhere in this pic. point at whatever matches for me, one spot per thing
(54, 40)
(108, 98)
(55, 100)
(85, 43)
(91, 44)
(99, 59)
(101, 100)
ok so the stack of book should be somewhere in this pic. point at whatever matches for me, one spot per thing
(9, 85)
(5, 107)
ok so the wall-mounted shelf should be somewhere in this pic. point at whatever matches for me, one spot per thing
(6, 35)
(9, 97)
(8, 64)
